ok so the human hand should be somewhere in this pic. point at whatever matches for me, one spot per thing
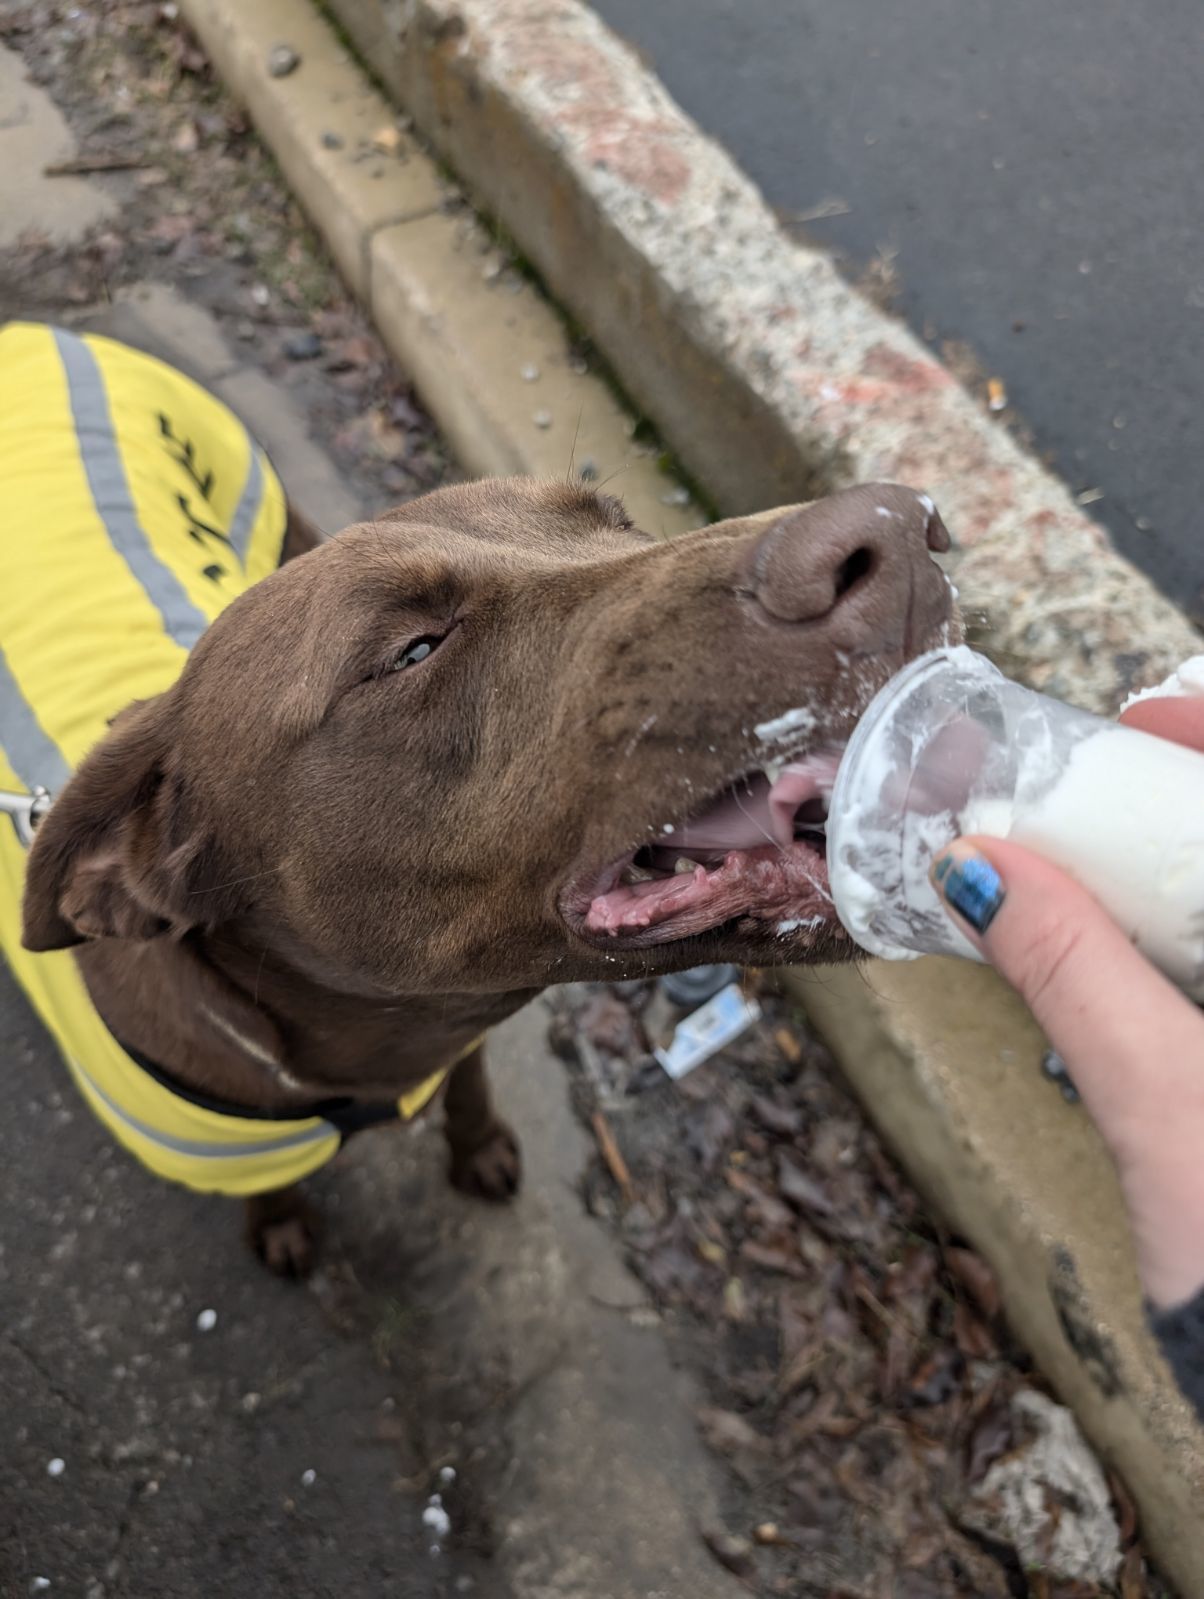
(1133, 1043)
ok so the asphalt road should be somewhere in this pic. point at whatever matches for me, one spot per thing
(1038, 170)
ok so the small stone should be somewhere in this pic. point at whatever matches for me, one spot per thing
(530, 373)
(308, 1477)
(206, 1321)
(261, 295)
(250, 1402)
(282, 60)
(332, 141)
(39, 1584)
(56, 1468)
(303, 347)
(542, 419)
(447, 1475)
(493, 269)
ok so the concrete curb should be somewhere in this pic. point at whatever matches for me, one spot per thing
(947, 1062)
(493, 361)
(773, 380)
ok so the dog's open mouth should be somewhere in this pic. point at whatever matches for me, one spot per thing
(756, 852)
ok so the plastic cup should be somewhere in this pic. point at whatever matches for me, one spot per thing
(950, 746)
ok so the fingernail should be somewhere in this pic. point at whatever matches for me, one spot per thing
(968, 883)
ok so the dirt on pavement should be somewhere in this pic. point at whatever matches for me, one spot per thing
(871, 1407)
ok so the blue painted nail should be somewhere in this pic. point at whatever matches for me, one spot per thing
(972, 886)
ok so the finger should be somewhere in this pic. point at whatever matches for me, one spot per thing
(1123, 1027)
(1134, 1044)
(1180, 719)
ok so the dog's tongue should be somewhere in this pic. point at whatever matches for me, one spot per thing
(758, 811)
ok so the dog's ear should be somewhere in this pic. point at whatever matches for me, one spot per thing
(118, 855)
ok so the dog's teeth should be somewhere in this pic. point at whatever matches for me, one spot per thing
(683, 866)
(773, 770)
(636, 874)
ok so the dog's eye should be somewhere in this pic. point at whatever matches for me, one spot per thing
(415, 652)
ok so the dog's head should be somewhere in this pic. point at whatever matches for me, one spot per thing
(501, 738)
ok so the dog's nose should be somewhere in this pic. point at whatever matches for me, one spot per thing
(863, 553)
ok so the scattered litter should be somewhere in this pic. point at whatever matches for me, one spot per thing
(82, 165)
(1049, 1498)
(612, 1155)
(832, 207)
(56, 1467)
(303, 347)
(863, 1379)
(39, 1584)
(705, 1033)
(997, 394)
(530, 373)
(308, 1477)
(1089, 496)
(282, 60)
(447, 1475)
(187, 139)
(542, 419)
(677, 496)
(788, 1044)
(435, 1517)
(735, 1554)
(387, 139)
(206, 1321)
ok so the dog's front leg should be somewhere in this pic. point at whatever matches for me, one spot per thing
(485, 1156)
(282, 1229)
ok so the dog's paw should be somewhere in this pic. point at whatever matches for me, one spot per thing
(285, 1239)
(493, 1170)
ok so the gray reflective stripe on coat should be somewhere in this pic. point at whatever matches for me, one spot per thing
(207, 1150)
(28, 747)
(249, 503)
(111, 495)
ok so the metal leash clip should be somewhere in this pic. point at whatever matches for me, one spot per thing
(26, 810)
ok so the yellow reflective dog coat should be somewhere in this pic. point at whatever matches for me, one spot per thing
(133, 508)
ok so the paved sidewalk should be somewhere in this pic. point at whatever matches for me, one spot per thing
(180, 1425)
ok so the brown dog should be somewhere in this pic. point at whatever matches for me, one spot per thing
(497, 739)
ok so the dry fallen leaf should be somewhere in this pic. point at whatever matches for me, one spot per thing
(976, 1277)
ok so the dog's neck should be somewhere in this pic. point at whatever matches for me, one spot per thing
(248, 1025)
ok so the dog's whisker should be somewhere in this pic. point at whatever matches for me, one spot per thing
(233, 882)
(768, 837)
(576, 436)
